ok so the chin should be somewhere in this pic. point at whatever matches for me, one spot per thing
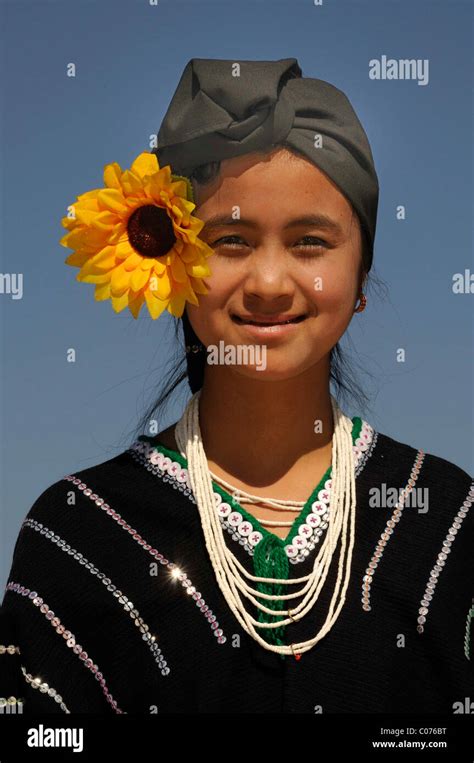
(273, 371)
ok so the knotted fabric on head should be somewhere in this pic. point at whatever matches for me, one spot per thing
(216, 115)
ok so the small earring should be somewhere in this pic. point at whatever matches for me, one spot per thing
(362, 303)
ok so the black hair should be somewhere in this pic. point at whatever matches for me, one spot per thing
(191, 365)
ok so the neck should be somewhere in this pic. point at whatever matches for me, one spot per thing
(259, 430)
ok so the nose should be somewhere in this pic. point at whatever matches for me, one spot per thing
(269, 274)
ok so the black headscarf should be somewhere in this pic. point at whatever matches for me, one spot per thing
(215, 115)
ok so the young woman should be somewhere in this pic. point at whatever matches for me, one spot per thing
(265, 553)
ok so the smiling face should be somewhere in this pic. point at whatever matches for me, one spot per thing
(286, 244)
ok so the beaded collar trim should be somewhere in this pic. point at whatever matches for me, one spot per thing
(308, 527)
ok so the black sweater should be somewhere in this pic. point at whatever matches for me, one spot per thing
(112, 603)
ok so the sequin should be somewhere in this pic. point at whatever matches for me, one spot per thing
(305, 530)
(300, 542)
(245, 528)
(224, 509)
(255, 538)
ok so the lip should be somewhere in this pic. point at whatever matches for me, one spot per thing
(267, 320)
(269, 331)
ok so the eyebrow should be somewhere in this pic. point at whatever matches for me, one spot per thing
(317, 220)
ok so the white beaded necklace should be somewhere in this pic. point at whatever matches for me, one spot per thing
(241, 496)
(230, 573)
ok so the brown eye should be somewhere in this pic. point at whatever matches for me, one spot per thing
(314, 246)
(227, 239)
(229, 242)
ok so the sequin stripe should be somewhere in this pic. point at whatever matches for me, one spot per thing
(44, 688)
(69, 637)
(388, 531)
(176, 572)
(10, 649)
(441, 560)
(126, 604)
(467, 635)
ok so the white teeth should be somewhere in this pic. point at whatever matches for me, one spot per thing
(279, 323)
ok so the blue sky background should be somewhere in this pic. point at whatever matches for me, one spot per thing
(58, 133)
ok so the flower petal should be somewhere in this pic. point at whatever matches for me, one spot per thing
(158, 266)
(102, 291)
(176, 305)
(155, 306)
(148, 263)
(113, 200)
(124, 249)
(105, 260)
(198, 285)
(139, 279)
(131, 183)
(104, 278)
(120, 303)
(104, 221)
(76, 259)
(198, 271)
(135, 303)
(112, 175)
(120, 281)
(80, 238)
(134, 260)
(145, 164)
(188, 253)
(84, 216)
(160, 286)
(92, 195)
(178, 270)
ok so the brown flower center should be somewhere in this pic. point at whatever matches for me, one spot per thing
(150, 231)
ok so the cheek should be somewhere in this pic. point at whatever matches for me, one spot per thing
(332, 294)
(221, 284)
(332, 289)
(206, 319)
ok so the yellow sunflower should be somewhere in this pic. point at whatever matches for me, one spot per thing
(137, 240)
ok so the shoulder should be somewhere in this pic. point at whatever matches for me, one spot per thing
(82, 517)
(439, 489)
(399, 455)
(72, 563)
(112, 474)
(124, 483)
